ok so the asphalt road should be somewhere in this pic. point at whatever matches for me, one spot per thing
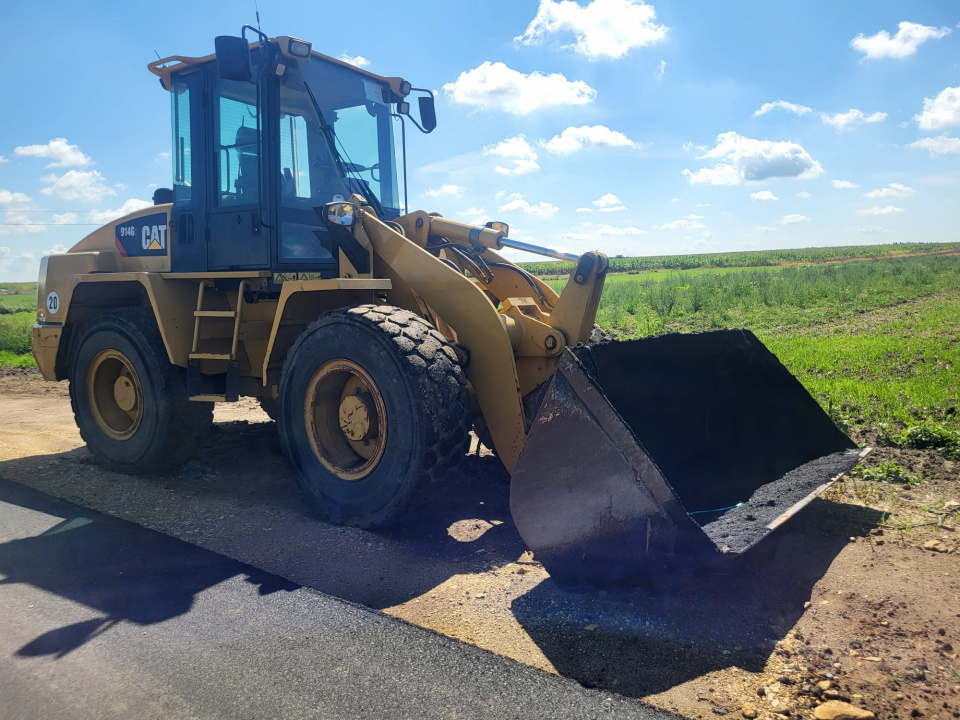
(102, 618)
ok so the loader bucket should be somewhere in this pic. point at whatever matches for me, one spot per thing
(668, 451)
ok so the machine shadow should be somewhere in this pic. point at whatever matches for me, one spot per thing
(239, 497)
(124, 571)
(680, 626)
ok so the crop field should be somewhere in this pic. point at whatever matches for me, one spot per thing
(757, 258)
(884, 372)
(18, 304)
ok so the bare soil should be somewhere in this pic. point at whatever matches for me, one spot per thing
(856, 599)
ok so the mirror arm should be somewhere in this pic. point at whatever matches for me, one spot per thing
(419, 126)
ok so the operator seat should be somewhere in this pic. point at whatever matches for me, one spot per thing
(248, 155)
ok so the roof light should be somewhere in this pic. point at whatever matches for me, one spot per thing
(299, 49)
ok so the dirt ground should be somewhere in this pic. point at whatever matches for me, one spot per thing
(857, 599)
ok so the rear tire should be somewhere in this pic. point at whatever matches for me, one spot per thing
(373, 407)
(129, 401)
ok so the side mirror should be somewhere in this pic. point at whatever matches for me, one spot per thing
(340, 213)
(233, 58)
(428, 113)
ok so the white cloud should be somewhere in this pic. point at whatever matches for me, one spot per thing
(604, 203)
(938, 146)
(357, 60)
(518, 151)
(843, 184)
(4, 252)
(603, 29)
(3, 160)
(15, 223)
(892, 190)
(444, 191)
(57, 249)
(661, 71)
(871, 230)
(101, 217)
(588, 231)
(12, 199)
(909, 37)
(763, 195)
(494, 86)
(20, 224)
(768, 229)
(574, 139)
(941, 111)
(162, 157)
(783, 105)
(85, 186)
(794, 219)
(804, 194)
(690, 222)
(744, 159)
(59, 150)
(608, 203)
(517, 202)
(888, 210)
(850, 118)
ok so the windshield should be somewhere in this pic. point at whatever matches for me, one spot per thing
(355, 122)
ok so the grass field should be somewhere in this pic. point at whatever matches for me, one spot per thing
(754, 258)
(18, 305)
(876, 341)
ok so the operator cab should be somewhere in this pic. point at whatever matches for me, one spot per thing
(263, 136)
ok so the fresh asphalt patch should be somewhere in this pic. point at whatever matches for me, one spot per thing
(105, 618)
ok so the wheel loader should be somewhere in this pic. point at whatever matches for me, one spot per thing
(285, 265)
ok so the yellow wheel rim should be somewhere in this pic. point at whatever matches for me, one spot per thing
(346, 420)
(116, 398)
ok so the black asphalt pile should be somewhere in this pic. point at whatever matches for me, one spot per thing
(738, 439)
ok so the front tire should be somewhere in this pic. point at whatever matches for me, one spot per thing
(130, 403)
(373, 407)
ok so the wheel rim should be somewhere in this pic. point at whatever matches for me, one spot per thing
(346, 419)
(116, 398)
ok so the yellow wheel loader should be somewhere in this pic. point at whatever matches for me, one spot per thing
(281, 266)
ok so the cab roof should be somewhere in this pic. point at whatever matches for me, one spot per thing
(176, 64)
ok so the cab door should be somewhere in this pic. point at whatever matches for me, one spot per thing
(238, 238)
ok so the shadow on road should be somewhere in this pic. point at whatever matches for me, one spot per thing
(239, 498)
(124, 571)
(680, 626)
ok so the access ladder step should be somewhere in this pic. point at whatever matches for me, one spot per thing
(210, 356)
(210, 398)
(215, 313)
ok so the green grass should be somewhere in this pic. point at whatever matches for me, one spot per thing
(16, 335)
(17, 297)
(12, 360)
(758, 258)
(766, 298)
(894, 371)
(18, 307)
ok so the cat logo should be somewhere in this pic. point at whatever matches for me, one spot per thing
(143, 236)
(154, 237)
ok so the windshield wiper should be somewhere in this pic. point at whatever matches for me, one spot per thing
(331, 138)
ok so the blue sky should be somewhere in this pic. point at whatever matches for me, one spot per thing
(630, 127)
